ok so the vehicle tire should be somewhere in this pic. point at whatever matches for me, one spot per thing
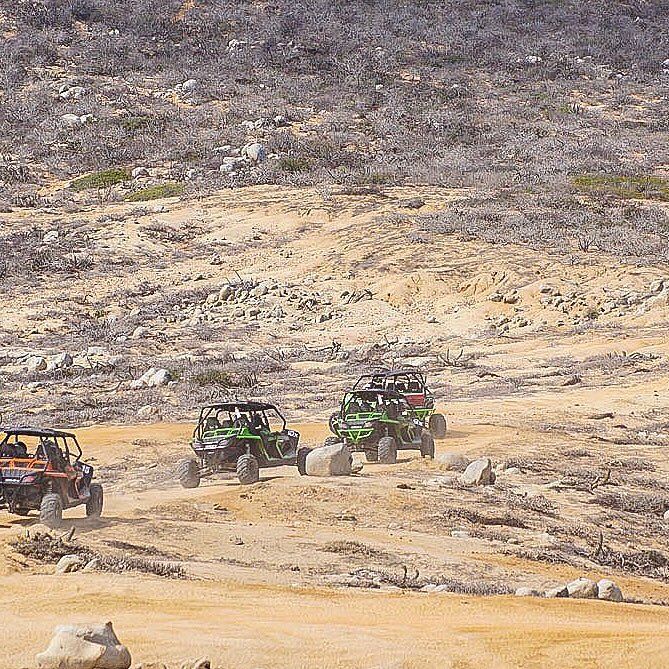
(188, 473)
(247, 469)
(332, 422)
(51, 510)
(438, 425)
(387, 451)
(302, 460)
(427, 445)
(95, 501)
(21, 512)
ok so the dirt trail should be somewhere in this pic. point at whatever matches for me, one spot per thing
(246, 607)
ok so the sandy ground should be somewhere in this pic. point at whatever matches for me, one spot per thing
(251, 612)
(567, 390)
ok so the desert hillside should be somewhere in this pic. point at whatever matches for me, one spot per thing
(210, 200)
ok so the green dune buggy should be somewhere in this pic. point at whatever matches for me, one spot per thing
(241, 437)
(412, 385)
(379, 423)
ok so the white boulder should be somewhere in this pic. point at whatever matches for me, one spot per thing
(329, 460)
(89, 647)
(583, 588)
(479, 472)
(608, 590)
(255, 152)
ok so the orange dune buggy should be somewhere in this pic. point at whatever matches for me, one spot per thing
(42, 470)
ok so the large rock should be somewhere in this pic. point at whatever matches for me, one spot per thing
(329, 460)
(89, 647)
(479, 472)
(527, 592)
(255, 152)
(583, 588)
(152, 378)
(456, 462)
(608, 590)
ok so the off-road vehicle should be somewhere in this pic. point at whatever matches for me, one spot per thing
(412, 384)
(379, 423)
(42, 469)
(241, 437)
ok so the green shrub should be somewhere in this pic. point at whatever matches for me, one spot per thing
(168, 189)
(628, 187)
(102, 179)
(215, 377)
(294, 164)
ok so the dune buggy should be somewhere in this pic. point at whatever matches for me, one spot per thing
(241, 437)
(379, 423)
(412, 385)
(42, 469)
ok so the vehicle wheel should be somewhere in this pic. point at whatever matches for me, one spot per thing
(329, 441)
(21, 512)
(333, 421)
(95, 501)
(247, 469)
(427, 445)
(51, 510)
(438, 425)
(188, 473)
(387, 451)
(371, 455)
(302, 460)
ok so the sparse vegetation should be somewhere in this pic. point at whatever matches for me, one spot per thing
(103, 179)
(169, 189)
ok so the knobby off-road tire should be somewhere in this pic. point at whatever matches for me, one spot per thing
(95, 501)
(427, 445)
(188, 473)
(438, 425)
(248, 470)
(51, 511)
(387, 451)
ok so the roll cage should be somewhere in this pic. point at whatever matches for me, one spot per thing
(370, 404)
(403, 381)
(53, 445)
(227, 419)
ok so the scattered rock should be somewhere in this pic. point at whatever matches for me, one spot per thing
(666, 515)
(69, 563)
(202, 663)
(608, 590)
(36, 363)
(255, 152)
(453, 461)
(91, 647)
(479, 472)
(189, 85)
(559, 592)
(50, 237)
(152, 378)
(139, 332)
(60, 361)
(527, 592)
(511, 297)
(582, 588)
(148, 411)
(140, 172)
